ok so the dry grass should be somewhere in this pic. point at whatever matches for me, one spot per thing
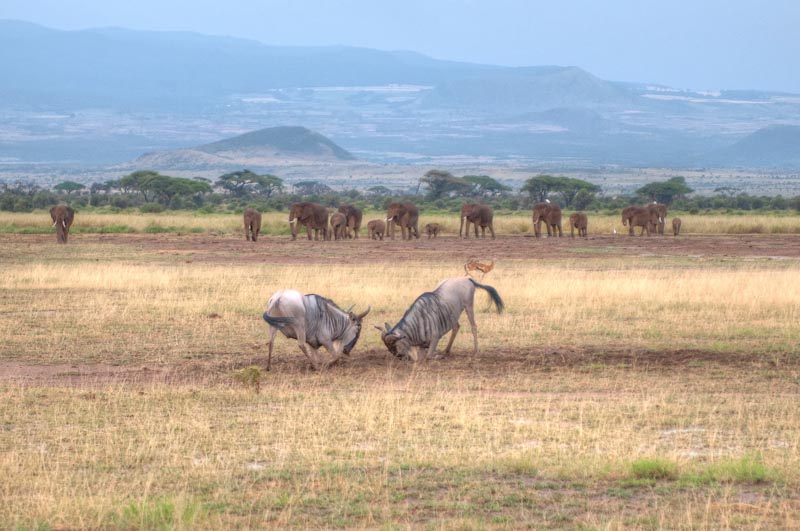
(534, 431)
(276, 223)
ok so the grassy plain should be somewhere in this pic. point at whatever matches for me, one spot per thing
(276, 223)
(618, 391)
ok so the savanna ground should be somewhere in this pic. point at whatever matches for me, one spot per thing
(632, 383)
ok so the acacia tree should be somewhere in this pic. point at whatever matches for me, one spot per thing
(312, 188)
(156, 187)
(441, 183)
(244, 183)
(567, 188)
(485, 186)
(665, 191)
(69, 187)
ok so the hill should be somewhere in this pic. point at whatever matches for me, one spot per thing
(274, 146)
(773, 146)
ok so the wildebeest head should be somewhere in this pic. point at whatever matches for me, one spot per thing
(350, 337)
(394, 341)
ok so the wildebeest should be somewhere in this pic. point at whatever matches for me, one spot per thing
(314, 322)
(434, 314)
(252, 223)
(578, 220)
(353, 215)
(62, 216)
(376, 228)
(431, 229)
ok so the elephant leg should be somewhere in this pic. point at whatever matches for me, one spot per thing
(308, 231)
(560, 233)
(452, 338)
(491, 229)
(475, 227)
(471, 316)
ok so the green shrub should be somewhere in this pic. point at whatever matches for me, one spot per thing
(151, 208)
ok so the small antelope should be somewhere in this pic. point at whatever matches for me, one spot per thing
(474, 265)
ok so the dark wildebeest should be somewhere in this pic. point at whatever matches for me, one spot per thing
(578, 220)
(353, 216)
(405, 214)
(62, 216)
(375, 229)
(551, 215)
(312, 215)
(434, 314)
(431, 229)
(252, 224)
(314, 322)
(478, 215)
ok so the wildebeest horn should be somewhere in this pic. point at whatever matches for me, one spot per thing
(380, 329)
(350, 308)
(388, 326)
(362, 315)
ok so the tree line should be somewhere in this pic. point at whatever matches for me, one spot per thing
(437, 189)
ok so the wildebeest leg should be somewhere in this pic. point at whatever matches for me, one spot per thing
(272, 332)
(452, 338)
(471, 317)
(431, 349)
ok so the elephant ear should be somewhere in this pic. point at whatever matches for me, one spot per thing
(53, 213)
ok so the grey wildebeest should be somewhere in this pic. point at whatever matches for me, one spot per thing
(434, 314)
(314, 322)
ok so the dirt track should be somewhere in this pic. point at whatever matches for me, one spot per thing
(218, 249)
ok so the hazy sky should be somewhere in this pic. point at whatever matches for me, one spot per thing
(701, 44)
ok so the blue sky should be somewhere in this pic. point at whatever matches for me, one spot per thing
(700, 44)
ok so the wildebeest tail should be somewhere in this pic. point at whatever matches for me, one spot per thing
(277, 322)
(492, 293)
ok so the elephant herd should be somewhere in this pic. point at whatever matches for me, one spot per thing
(346, 222)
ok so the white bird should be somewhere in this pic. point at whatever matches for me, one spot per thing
(546, 200)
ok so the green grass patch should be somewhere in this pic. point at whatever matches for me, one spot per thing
(654, 469)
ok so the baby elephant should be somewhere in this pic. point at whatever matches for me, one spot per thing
(579, 221)
(252, 224)
(676, 226)
(375, 229)
(338, 225)
(432, 229)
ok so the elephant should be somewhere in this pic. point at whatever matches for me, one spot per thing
(578, 220)
(477, 215)
(375, 229)
(647, 218)
(551, 215)
(353, 216)
(661, 210)
(312, 215)
(676, 226)
(338, 226)
(62, 216)
(405, 214)
(627, 218)
(252, 224)
(432, 229)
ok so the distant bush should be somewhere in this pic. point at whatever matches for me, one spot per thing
(151, 208)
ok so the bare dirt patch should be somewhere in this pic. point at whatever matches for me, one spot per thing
(203, 248)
